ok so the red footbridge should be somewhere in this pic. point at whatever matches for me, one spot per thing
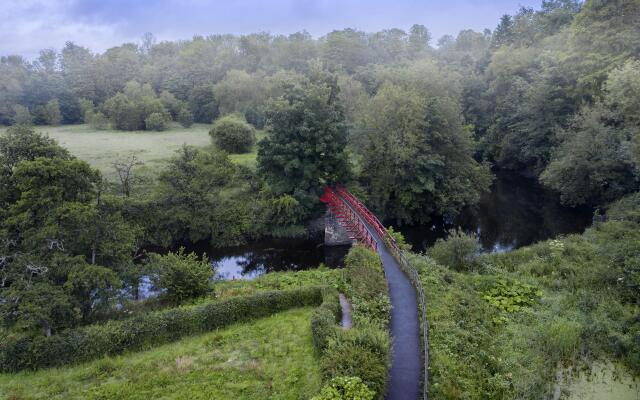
(409, 371)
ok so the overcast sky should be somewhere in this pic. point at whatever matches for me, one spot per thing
(27, 26)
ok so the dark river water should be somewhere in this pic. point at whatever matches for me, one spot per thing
(516, 212)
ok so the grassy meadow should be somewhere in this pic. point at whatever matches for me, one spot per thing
(271, 358)
(101, 148)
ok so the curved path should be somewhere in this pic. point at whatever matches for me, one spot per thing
(406, 358)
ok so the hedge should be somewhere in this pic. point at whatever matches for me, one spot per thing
(324, 318)
(145, 331)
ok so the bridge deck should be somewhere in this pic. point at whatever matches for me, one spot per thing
(406, 357)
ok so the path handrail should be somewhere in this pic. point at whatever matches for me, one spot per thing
(406, 266)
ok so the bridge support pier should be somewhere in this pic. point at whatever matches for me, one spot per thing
(334, 233)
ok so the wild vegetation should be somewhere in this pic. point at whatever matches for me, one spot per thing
(523, 324)
(413, 129)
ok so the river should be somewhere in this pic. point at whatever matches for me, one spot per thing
(516, 212)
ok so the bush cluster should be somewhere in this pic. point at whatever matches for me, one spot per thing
(145, 331)
(324, 318)
(233, 134)
(184, 276)
(458, 251)
(345, 387)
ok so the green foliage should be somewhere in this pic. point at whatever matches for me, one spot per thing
(285, 210)
(320, 276)
(511, 296)
(560, 340)
(362, 352)
(155, 122)
(623, 91)
(593, 164)
(92, 288)
(345, 388)
(184, 117)
(52, 112)
(145, 331)
(625, 209)
(97, 121)
(267, 358)
(458, 250)
(417, 157)
(243, 93)
(21, 115)
(323, 320)
(399, 239)
(563, 303)
(39, 306)
(189, 198)
(203, 104)
(232, 134)
(305, 148)
(367, 287)
(183, 276)
(130, 109)
(21, 143)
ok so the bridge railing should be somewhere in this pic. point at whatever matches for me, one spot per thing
(406, 266)
(348, 218)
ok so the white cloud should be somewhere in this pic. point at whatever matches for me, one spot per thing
(28, 26)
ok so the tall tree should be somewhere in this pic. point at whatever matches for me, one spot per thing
(417, 159)
(305, 149)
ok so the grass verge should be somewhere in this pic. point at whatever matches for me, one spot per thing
(271, 358)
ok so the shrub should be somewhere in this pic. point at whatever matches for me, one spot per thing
(21, 115)
(359, 352)
(458, 251)
(183, 276)
(561, 340)
(155, 122)
(285, 211)
(52, 112)
(625, 209)
(511, 296)
(97, 120)
(324, 318)
(345, 388)
(364, 273)
(232, 134)
(184, 117)
(145, 331)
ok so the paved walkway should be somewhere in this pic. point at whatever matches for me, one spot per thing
(406, 357)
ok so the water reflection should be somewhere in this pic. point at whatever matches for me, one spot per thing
(250, 261)
(517, 212)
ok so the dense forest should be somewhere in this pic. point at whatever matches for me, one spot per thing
(412, 125)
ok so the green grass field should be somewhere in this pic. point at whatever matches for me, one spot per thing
(102, 148)
(272, 358)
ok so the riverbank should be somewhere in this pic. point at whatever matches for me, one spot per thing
(508, 325)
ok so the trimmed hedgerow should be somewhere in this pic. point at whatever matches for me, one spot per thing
(145, 331)
(324, 318)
